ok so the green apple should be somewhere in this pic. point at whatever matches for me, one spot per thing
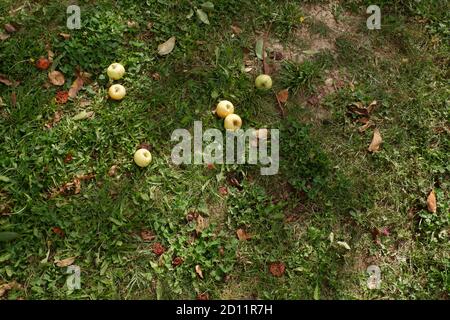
(142, 157)
(233, 122)
(224, 108)
(115, 71)
(263, 81)
(117, 91)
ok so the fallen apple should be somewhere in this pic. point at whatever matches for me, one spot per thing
(232, 122)
(142, 157)
(117, 91)
(115, 71)
(224, 108)
(263, 81)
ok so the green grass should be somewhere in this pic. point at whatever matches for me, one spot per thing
(328, 182)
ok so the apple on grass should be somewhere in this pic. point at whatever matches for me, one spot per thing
(233, 122)
(224, 108)
(263, 81)
(115, 71)
(117, 91)
(142, 157)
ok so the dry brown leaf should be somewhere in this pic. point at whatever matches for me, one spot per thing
(376, 141)
(198, 270)
(66, 36)
(75, 87)
(13, 99)
(10, 28)
(4, 288)
(201, 224)
(166, 47)
(56, 78)
(56, 118)
(242, 235)
(147, 235)
(65, 262)
(431, 202)
(50, 55)
(73, 187)
(236, 30)
(283, 95)
(112, 172)
(277, 269)
(372, 106)
(366, 126)
(5, 80)
(4, 36)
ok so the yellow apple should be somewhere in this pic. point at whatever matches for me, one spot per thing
(232, 122)
(117, 91)
(224, 108)
(115, 71)
(263, 81)
(142, 157)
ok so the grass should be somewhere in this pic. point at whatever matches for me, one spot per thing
(329, 186)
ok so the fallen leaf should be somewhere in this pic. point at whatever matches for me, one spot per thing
(83, 115)
(66, 36)
(4, 288)
(75, 87)
(376, 141)
(58, 231)
(201, 224)
(56, 118)
(372, 106)
(4, 36)
(10, 28)
(202, 15)
(343, 244)
(259, 47)
(50, 55)
(65, 262)
(248, 69)
(132, 24)
(42, 63)
(85, 103)
(166, 47)
(208, 6)
(72, 187)
(5, 80)
(156, 76)
(177, 261)
(277, 269)
(13, 99)
(223, 191)
(236, 30)
(283, 96)
(366, 126)
(242, 235)
(147, 235)
(85, 177)
(158, 249)
(62, 97)
(431, 202)
(198, 270)
(56, 78)
(112, 172)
